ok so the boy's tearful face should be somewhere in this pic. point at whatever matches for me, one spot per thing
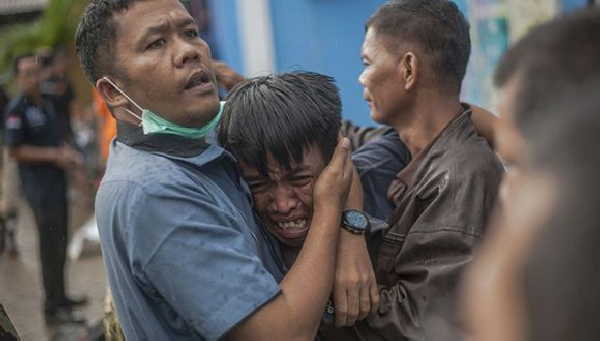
(284, 197)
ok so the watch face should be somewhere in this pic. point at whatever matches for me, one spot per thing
(356, 219)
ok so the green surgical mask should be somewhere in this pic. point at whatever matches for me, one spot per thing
(153, 123)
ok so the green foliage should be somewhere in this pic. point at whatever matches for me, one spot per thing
(56, 26)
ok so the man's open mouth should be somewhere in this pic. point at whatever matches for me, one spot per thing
(198, 79)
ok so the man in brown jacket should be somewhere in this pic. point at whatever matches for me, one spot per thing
(415, 55)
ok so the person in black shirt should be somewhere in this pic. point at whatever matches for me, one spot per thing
(56, 86)
(35, 140)
(3, 101)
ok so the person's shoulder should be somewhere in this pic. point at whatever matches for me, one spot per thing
(384, 148)
(157, 176)
(466, 154)
(473, 159)
(143, 168)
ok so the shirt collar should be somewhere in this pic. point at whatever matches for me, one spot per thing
(195, 151)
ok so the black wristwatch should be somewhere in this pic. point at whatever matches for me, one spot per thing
(355, 221)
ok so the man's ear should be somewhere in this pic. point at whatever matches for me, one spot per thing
(409, 68)
(111, 95)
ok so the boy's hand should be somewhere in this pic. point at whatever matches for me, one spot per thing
(333, 185)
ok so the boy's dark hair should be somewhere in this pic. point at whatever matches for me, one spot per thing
(96, 35)
(17, 61)
(555, 58)
(281, 115)
(436, 26)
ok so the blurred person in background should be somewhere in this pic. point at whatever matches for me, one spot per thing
(4, 100)
(535, 277)
(55, 85)
(36, 140)
(9, 192)
(535, 274)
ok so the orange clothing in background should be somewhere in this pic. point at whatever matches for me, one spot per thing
(108, 124)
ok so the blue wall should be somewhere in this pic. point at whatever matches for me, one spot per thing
(326, 35)
(224, 24)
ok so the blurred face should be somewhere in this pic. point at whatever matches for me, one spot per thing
(28, 77)
(511, 144)
(492, 297)
(167, 67)
(383, 86)
(60, 64)
(284, 198)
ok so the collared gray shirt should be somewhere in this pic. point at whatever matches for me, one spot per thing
(186, 259)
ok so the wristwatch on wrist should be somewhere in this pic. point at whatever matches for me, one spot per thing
(355, 221)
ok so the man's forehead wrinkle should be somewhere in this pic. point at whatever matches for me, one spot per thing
(157, 21)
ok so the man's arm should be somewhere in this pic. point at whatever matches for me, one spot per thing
(355, 287)
(34, 154)
(485, 123)
(64, 157)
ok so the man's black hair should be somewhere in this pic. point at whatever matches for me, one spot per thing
(281, 115)
(18, 60)
(436, 26)
(555, 58)
(96, 36)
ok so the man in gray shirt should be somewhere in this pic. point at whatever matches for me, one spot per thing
(185, 257)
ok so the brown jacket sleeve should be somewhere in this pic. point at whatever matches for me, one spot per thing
(439, 222)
